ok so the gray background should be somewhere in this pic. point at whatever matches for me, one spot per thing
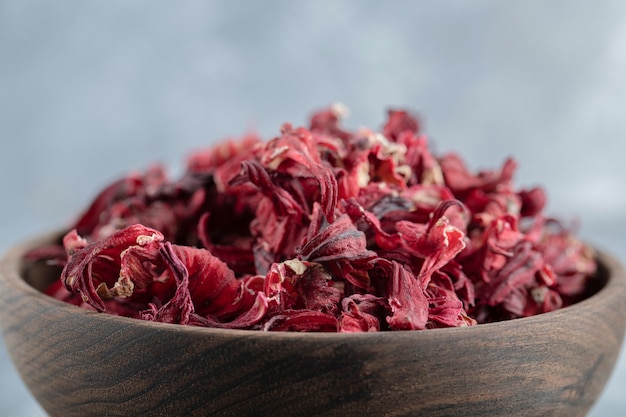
(92, 90)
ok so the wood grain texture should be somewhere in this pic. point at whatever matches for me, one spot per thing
(81, 363)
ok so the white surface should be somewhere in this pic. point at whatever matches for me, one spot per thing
(91, 90)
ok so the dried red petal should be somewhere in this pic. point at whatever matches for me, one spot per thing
(408, 303)
(295, 284)
(93, 216)
(294, 153)
(438, 243)
(327, 122)
(99, 263)
(445, 309)
(398, 122)
(337, 245)
(302, 321)
(360, 313)
(533, 201)
(460, 180)
(223, 155)
(211, 283)
(180, 307)
(249, 317)
(425, 169)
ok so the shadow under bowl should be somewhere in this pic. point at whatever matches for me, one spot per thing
(82, 363)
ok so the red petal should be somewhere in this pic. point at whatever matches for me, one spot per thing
(409, 306)
(180, 307)
(302, 321)
(100, 262)
(399, 121)
(360, 313)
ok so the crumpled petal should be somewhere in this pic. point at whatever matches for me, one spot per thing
(445, 309)
(337, 245)
(302, 321)
(295, 284)
(179, 308)
(360, 313)
(408, 303)
(438, 244)
(398, 122)
(98, 264)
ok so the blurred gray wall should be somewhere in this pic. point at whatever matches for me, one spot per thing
(91, 90)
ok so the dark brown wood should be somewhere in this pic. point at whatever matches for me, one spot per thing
(81, 363)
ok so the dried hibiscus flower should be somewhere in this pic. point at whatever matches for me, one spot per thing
(321, 229)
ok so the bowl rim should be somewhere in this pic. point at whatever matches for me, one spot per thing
(11, 265)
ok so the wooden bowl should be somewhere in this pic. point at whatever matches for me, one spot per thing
(82, 363)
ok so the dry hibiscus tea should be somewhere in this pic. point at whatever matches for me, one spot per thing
(322, 229)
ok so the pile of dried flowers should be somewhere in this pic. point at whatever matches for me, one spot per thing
(322, 229)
